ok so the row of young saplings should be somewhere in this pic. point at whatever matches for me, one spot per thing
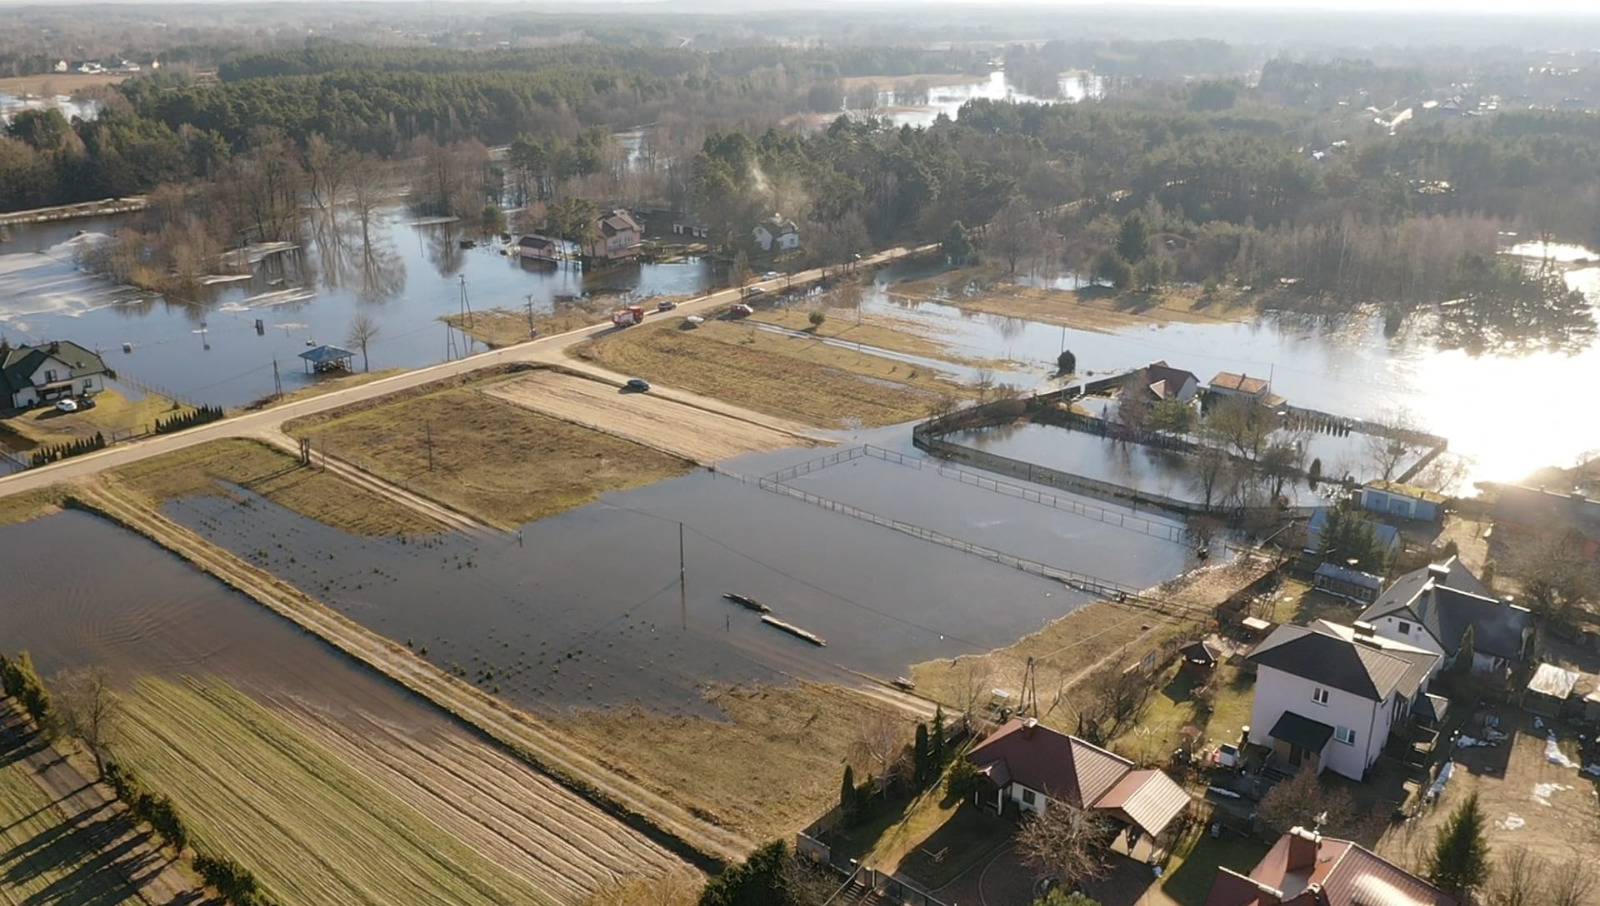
(235, 882)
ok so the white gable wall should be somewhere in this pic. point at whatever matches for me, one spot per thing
(1277, 692)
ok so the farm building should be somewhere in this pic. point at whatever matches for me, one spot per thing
(1347, 582)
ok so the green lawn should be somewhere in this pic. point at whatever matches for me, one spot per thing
(1190, 872)
(1173, 707)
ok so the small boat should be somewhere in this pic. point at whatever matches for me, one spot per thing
(747, 602)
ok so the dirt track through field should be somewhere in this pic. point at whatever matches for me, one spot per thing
(652, 419)
(519, 819)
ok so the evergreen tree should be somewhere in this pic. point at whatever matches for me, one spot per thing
(1459, 864)
(847, 795)
(761, 880)
(937, 740)
(1462, 665)
(1066, 362)
(958, 245)
(920, 755)
(1133, 240)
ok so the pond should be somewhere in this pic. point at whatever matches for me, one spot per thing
(211, 351)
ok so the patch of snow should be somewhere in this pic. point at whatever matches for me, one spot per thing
(1513, 821)
(1553, 753)
(1543, 791)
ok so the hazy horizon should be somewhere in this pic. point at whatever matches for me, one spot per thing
(1275, 7)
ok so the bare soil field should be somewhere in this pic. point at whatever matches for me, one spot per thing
(54, 83)
(278, 477)
(1526, 800)
(988, 289)
(650, 419)
(484, 456)
(809, 380)
(766, 770)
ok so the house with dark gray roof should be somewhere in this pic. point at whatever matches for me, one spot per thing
(1328, 695)
(1305, 868)
(1432, 607)
(50, 371)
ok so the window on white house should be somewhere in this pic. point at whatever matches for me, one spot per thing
(1027, 796)
(50, 376)
(1319, 695)
(1405, 628)
(1345, 735)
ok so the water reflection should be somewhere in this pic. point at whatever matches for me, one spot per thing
(907, 107)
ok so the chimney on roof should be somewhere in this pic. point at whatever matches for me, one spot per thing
(1363, 629)
(1027, 727)
(55, 346)
(1508, 600)
(1302, 850)
(1439, 573)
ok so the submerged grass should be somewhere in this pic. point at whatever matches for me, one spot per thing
(312, 829)
(15, 508)
(485, 457)
(277, 477)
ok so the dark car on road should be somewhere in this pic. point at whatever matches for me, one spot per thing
(637, 385)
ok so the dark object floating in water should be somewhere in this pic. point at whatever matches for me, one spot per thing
(796, 631)
(747, 602)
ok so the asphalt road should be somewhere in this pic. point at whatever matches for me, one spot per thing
(269, 422)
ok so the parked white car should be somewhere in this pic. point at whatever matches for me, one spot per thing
(67, 405)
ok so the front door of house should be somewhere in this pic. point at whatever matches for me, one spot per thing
(1296, 755)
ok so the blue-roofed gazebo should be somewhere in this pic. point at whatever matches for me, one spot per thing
(327, 358)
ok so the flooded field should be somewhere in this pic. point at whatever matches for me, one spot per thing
(583, 609)
(946, 100)
(210, 350)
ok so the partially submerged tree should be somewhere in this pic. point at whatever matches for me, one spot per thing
(363, 330)
(1066, 363)
(1459, 863)
(1067, 842)
(957, 245)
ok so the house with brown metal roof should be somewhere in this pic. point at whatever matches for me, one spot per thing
(619, 237)
(1168, 383)
(1228, 384)
(1307, 869)
(1030, 766)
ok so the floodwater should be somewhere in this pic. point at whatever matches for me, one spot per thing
(1489, 405)
(946, 100)
(11, 104)
(583, 609)
(209, 351)
(83, 592)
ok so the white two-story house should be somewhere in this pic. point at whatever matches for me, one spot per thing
(1327, 695)
(31, 375)
(1432, 607)
(777, 234)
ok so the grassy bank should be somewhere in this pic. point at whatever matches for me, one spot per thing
(770, 767)
(802, 379)
(46, 859)
(17, 508)
(324, 384)
(493, 460)
(312, 829)
(882, 332)
(990, 289)
(276, 476)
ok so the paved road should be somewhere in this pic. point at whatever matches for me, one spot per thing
(269, 422)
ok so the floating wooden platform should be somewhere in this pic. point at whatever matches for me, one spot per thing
(747, 602)
(796, 631)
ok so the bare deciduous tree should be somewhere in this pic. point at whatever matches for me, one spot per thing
(1516, 878)
(1573, 883)
(363, 329)
(89, 709)
(1393, 444)
(881, 743)
(1016, 234)
(1066, 841)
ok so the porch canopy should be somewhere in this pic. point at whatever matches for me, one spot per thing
(1303, 732)
(1148, 800)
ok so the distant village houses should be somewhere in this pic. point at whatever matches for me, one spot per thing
(619, 237)
(777, 234)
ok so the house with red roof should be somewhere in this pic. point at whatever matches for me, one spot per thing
(1030, 766)
(1307, 869)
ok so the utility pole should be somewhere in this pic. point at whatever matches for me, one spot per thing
(277, 382)
(531, 329)
(683, 589)
(466, 306)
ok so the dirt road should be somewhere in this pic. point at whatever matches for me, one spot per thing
(546, 349)
(656, 419)
(94, 811)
